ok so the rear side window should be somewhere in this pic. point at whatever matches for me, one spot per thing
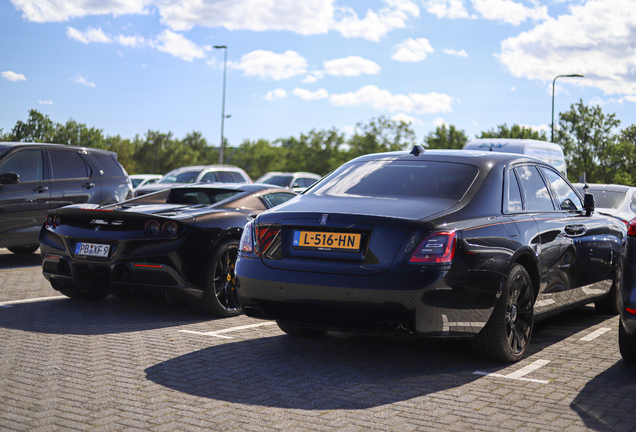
(534, 188)
(514, 204)
(26, 163)
(275, 199)
(224, 176)
(67, 165)
(386, 179)
(109, 165)
(238, 178)
(567, 198)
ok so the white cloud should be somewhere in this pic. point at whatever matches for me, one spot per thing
(89, 35)
(412, 50)
(513, 88)
(351, 66)
(45, 102)
(13, 76)
(539, 128)
(384, 100)
(460, 53)
(306, 17)
(308, 95)
(177, 45)
(596, 40)
(267, 64)
(64, 10)
(375, 25)
(132, 41)
(452, 9)
(405, 118)
(312, 78)
(81, 80)
(509, 11)
(439, 122)
(275, 94)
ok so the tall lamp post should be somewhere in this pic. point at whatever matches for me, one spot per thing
(222, 146)
(553, 81)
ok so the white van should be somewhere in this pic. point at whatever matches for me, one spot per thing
(546, 151)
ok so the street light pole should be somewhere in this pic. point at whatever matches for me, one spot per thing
(222, 146)
(554, 81)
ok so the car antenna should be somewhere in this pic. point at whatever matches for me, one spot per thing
(417, 150)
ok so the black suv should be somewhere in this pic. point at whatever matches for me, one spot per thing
(35, 178)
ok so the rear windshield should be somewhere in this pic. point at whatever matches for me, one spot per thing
(182, 177)
(399, 178)
(199, 196)
(606, 199)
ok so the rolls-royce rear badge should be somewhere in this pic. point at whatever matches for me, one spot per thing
(323, 219)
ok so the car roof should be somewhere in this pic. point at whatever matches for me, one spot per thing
(607, 187)
(253, 187)
(204, 167)
(296, 173)
(10, 144)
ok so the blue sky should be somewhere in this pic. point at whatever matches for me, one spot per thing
(127, 66)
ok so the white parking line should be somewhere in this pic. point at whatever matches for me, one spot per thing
(216, 333)
(10, 303)
(518, 375)
(595, 334)
(446, 325)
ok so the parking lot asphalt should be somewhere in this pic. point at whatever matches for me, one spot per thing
(144, 365)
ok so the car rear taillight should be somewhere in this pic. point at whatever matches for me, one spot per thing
(436, 248)
(630, 311)
(169, 229)
(265, 236)
(53, 221)
(247, 238)
(152, 227)
(631, 228)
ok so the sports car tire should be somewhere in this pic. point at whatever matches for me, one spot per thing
(300, 331)
(70, 291)
(507, 333)
(219, 293)
(608, 305)
(26, 250)
(626, 344)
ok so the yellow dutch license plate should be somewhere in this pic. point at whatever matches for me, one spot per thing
(327, 240)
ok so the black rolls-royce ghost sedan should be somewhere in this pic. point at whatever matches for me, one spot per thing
(447, 243)
(180, 243)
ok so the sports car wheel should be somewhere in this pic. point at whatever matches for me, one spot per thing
(296, 330)
(507, 333)
(70, 290)
(219, 293)
(608, 305)
(26, 250)
(626, 344)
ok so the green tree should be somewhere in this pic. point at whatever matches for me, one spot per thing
(588, 140)
(446, 138)
(78, 134)
(516, 131)
(622, 157)
(37, 128)
(380, 135)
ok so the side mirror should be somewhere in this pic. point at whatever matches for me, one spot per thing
(588, 203)
(9, 178)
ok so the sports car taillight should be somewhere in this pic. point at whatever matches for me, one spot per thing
(152, 227)
(169, 229)
(436, 248)
(631, 228)
(247, 239)
(630, 311)
(53, 221)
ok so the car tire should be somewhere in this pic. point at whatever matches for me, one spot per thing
(70, 290)
(300, 331)
(25, 250)
(608, 305)
(626, 344)
(507, 333)
(220, 297)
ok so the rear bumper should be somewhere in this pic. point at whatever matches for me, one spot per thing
(397, 301)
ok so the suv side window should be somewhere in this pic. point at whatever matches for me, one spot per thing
(26, 163)
(67, 165)
(567, 198)
(109, 165)
(535, 190)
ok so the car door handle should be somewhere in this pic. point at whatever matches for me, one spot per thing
(41, 189)
(575, 230)
(88, 185)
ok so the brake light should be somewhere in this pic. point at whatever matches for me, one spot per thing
(631, 228)
(265, 237)
(630, 311)
(436, 248)
(247, 238)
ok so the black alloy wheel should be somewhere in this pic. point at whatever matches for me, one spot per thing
(220, 297)
(507, 333)
(626, 344)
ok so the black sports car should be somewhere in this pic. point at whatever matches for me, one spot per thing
(432, 243)
(627, 305)
(180, 242)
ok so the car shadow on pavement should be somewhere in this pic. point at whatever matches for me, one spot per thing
(339, 371)
(110, 316)
(608, 401)
(9, 260)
